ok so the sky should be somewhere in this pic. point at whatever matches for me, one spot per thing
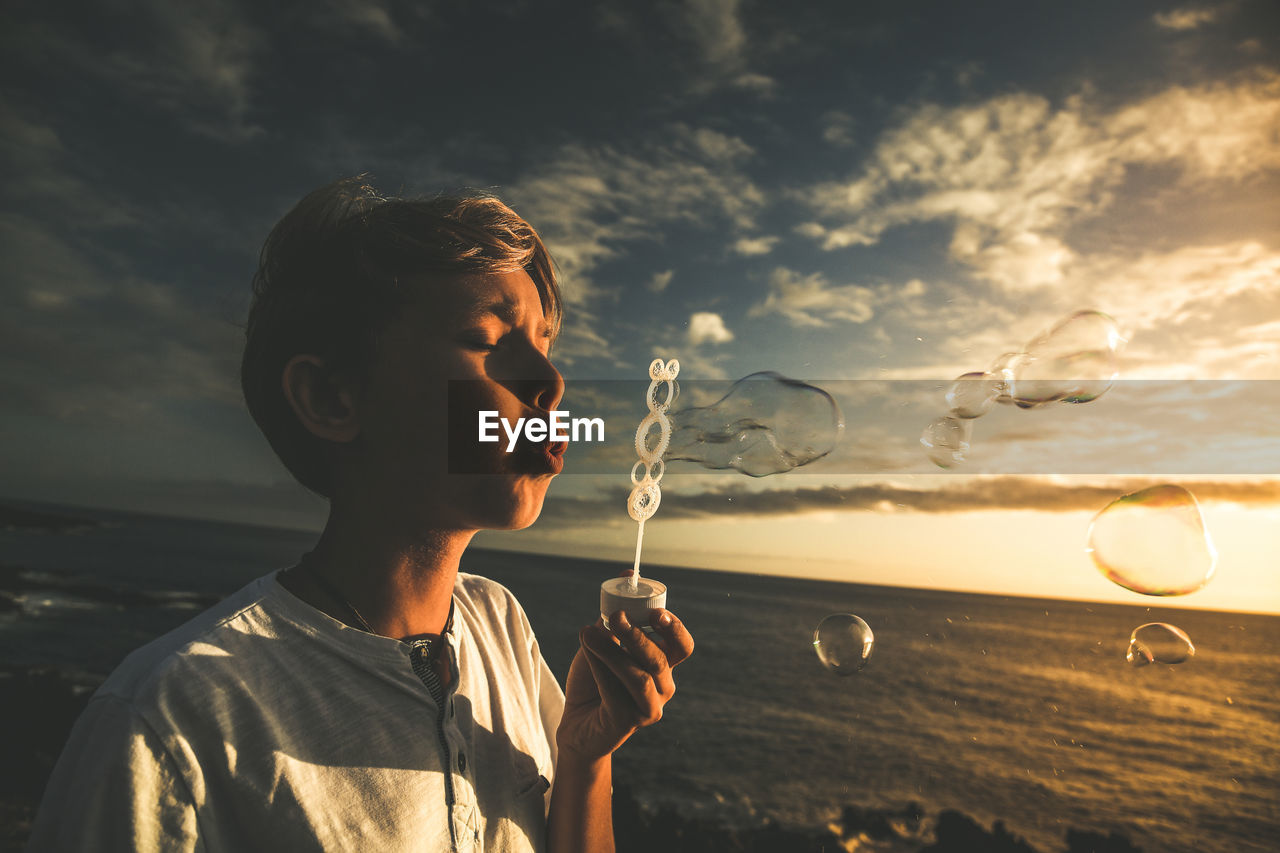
(871, 197)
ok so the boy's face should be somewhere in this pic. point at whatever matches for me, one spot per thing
(468, 344)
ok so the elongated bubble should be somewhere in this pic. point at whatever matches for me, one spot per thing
(1153, 542)
(1159, 642)
(946, 440)
(766, 424)
(843, 643)
(1075, 362)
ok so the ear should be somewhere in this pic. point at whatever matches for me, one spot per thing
(323, 400)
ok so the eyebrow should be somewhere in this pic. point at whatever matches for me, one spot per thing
(506, 310)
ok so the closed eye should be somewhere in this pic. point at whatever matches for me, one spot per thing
(480, 344)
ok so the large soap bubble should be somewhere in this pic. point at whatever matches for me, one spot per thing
(766, 424)
(843, 643)
(1158, 642)
(1075, 362)
(1153, 542)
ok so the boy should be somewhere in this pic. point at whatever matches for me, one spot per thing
(373, 697)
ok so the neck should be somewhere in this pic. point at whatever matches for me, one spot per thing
(399, 577)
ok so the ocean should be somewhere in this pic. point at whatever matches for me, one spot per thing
(1003, 708)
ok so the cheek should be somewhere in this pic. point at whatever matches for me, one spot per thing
(465, 449)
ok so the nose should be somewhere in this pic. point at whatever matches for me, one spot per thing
(553, 393)
(543, 387)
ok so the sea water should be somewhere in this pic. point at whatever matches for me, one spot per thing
(1012, 709)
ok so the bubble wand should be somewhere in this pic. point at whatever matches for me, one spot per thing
(631, 595)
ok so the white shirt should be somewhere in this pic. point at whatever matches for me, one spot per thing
(264, 724)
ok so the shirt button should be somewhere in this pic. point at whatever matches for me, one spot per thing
(462, 762)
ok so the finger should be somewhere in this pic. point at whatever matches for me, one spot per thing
(641, 649)
(644, 691)
(643, 652)
(613, 694)
(671, 636)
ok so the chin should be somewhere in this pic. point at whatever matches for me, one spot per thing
(507, 508)
(525, 516)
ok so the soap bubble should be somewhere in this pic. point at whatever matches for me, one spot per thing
(972, 394)
(843, 643)
(1158, 642)
(946, 440)
(765, 424)
(1153, 542)
(1002, 371)
(1076, 361)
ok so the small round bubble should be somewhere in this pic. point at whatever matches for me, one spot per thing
(843, 643)
(1154, 542)
(1159, 642)
(946, 440)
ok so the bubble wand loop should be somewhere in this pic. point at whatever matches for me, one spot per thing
(646, 474)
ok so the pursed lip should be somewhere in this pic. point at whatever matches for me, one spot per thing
(544, 458)
(553, 453)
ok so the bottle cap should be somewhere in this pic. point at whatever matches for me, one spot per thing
(616, 594)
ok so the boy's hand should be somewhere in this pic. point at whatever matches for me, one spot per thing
(619, 682)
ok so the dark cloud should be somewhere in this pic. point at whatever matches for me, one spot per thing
(974, 495)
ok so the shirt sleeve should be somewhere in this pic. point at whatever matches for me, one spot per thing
(115, 787)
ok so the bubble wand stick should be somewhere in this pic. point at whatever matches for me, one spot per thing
(630, 594)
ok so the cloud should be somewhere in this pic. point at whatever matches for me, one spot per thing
(706, 327)
(977, 494)
(1211, 132)
(716, 29)
(63, 305)
(661, 280)
(752, 246)
(42, 177)
(1013, 173)
(375, 17)
(1189, 18)
(837, 129)
(580, 340)
(590, 202)
(201, 63)
(1176, 305)
(810, 300)
(195, 61)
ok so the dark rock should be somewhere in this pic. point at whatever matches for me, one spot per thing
(636, 831)
(959, 833)
(879, 824)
